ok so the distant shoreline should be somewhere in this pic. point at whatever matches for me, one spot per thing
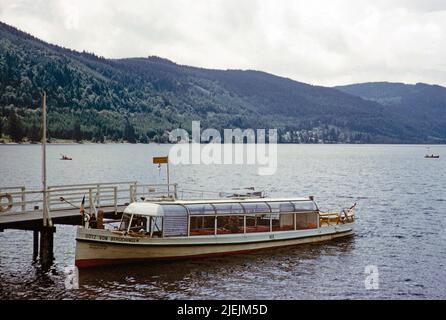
(65, 143)
(68, 143)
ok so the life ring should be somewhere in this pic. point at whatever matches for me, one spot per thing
(4, 208)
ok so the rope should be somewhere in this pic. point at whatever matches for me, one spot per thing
(62, 199)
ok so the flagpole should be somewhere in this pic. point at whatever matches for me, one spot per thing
(159, 161)
(47, 230)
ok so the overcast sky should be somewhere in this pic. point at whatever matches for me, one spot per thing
(326, 42)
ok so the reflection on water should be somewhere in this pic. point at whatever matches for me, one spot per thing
(400, 228)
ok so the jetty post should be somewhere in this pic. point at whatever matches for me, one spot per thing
(47, 230)
(35, 244)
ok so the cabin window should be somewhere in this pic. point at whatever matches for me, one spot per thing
(125, 221)
(257, 223)
(286, 222)
(227, 208)
(275, 221)
(155, 226)
(304, 205)
(202, 225)
(200, 209)
(230, 224)
(256, 207)
(138, 224)
(281, 206)
(306, 220)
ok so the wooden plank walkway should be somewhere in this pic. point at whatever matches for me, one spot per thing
(33, 219)
(110, 197)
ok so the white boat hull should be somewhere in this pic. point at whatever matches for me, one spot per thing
(101, 247)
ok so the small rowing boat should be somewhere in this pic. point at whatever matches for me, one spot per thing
(431, 155)
(64, 157)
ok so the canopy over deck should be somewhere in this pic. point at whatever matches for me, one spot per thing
(145, 209)
(225, 206)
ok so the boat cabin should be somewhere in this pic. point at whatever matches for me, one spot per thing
(218, 217)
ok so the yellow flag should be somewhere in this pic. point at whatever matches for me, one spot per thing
(82, 209)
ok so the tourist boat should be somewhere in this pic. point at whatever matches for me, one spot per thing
(180, 229)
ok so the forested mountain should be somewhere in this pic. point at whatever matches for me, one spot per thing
(421, 105)
(139, 99)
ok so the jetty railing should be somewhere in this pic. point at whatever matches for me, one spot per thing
(96, 195)
(16, 194)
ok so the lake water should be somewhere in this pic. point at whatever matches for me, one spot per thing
(400, 228)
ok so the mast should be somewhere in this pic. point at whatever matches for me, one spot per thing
(46, 218)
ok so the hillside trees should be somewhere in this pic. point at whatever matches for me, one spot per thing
(77, 132)
(129, 132)
(138, 99)
(16, 129)
(34, 133)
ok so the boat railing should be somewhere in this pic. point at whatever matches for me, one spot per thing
(336, 217)
(191, 194)
(153, 192)
(328, 218)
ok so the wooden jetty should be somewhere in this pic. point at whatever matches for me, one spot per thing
(24, 208)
